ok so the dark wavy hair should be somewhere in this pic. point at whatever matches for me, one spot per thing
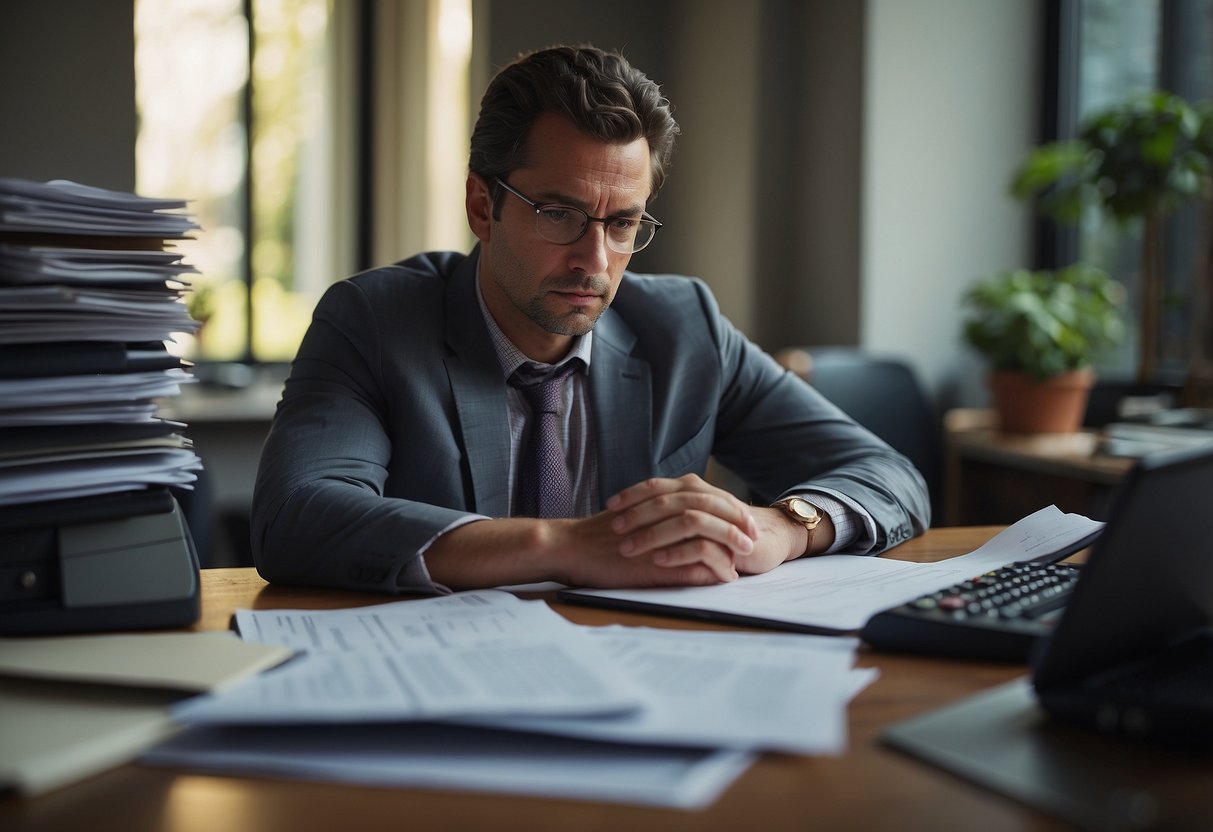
(600, 92)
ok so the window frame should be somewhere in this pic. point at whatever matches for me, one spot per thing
(1056, 245)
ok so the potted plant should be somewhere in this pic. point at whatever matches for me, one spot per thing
(1137, 161)
(1040, 331)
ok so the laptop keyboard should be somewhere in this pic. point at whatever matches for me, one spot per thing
(1183, 673)
(997, 615)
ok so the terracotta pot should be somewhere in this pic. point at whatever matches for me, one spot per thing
(1055, 405)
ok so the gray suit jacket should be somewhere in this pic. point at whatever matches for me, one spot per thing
(393, 422)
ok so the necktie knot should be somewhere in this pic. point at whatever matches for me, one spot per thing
(543, 390)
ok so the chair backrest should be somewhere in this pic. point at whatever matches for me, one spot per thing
(881, 393)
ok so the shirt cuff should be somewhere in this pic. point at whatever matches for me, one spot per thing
(854, 528)
(404, 579)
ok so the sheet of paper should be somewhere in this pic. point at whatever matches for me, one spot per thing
(841, 592)
(35, 479)
(147, 302)
(833, 592)
(41, 265)
(64, 452)
(192, 662)
(1037, 535)
(471, 653)
(464, 759)
(31, 331)
(50, 391)
(52, 733)
(752, 691)
(384, 627)
(62, 206)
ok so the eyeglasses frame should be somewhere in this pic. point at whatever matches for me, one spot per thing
(540, 207)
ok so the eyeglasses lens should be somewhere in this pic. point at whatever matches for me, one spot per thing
(563, 225)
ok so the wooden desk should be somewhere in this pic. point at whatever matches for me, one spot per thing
(869, 788)
(995, 477)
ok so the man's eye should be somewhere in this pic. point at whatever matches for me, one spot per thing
(622, 224)
(558, 216)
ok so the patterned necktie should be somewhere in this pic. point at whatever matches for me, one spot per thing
(545, 486)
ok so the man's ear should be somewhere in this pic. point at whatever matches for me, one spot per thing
(479, 205)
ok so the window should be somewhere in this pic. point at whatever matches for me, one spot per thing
(1108, 51)
(292, 127)
(243, 125)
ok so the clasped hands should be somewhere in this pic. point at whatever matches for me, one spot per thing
(660, 532)
(681, 531)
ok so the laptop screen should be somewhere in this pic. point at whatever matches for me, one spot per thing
(1149, 579)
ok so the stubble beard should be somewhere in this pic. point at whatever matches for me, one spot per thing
(573, 323)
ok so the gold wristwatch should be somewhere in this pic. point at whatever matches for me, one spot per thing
(801, 511)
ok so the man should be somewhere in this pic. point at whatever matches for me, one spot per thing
(407, 454)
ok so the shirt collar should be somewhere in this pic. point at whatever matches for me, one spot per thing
(510, 357)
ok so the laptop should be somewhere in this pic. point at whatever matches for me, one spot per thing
(1132, 653)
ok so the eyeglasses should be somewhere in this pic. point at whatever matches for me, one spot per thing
(565, 225)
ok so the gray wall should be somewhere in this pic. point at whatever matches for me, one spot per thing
(67, 91)
(950, 108)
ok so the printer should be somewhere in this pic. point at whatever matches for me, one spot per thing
(121, 561)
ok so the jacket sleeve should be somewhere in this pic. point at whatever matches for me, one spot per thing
(781, 436)
(320, 516)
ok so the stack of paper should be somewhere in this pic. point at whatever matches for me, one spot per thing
(482, 690)
(63, 207)
(72, 706)
(88, 297)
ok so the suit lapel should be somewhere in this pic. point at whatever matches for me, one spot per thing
(622, 396)
(479, 393)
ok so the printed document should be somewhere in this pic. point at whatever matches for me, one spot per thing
(472, 653)
(486, 691)
(839, 593)
(757, 691)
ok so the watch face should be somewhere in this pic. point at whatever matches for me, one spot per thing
(803, 509)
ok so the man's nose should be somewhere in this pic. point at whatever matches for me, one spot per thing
(590, 254)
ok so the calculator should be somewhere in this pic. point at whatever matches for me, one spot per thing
(998, 615)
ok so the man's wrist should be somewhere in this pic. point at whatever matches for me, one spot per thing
(498, 552)
(805, 514)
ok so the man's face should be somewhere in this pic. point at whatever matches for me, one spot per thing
(540, 293)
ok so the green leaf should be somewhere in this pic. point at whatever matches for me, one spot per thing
(1158, 145)
(1043, 323)
(1047, 165)
(1148, 153)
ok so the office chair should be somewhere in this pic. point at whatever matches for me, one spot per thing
(882, 394)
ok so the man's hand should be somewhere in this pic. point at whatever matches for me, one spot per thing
(684, 521)
(660, 532)
(677, 522)
(582, 552)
